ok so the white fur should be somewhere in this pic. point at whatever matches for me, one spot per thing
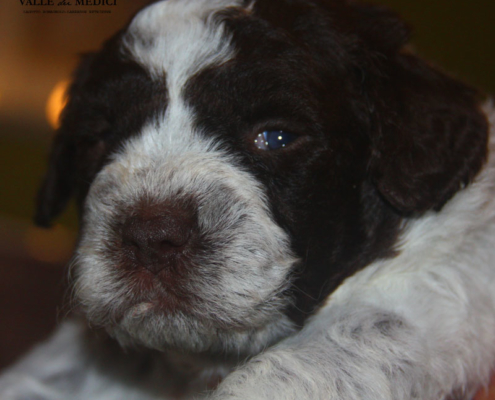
(177, 38)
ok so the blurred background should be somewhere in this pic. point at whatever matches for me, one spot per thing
(38, 51)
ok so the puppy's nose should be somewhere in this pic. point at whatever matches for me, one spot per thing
(155, 241)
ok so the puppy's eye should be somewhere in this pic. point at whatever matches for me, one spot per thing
(273, 140)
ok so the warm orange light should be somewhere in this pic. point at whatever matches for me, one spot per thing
(56, 103)
(489, 393)
(49, 245)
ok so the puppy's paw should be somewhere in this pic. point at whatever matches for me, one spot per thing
(275, 376)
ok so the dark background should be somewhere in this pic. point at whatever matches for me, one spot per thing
(37, 51)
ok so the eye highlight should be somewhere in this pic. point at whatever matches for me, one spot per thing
(273, 140)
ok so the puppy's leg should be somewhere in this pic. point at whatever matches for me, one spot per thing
(70, 366)
(367, 354)
(370, 355)
(407, 328)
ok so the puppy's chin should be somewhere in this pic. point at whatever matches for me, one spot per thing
(144, 325)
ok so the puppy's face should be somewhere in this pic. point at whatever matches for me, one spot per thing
(235, 162)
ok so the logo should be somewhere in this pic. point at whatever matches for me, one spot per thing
(67, 6)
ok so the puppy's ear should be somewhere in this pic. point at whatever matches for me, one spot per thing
(429, 137)
(60, 180)
(380, 28)
(59, 183)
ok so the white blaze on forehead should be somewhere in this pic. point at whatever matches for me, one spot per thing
(178, 38)
(173, 40)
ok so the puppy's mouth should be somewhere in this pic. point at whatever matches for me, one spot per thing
(156, 252)
(165, 292)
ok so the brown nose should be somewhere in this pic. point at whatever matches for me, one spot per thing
(155, 241)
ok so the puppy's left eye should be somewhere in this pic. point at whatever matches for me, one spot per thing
(273, 140)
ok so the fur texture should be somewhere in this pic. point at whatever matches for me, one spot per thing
(357, 262)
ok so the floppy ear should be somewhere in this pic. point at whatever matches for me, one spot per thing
(428, 134)
(59, 183)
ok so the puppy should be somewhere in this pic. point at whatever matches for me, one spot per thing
(278, 201)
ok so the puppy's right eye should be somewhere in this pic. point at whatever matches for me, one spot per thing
(273, 140)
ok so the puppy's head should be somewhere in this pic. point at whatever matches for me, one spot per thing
(235, 161)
